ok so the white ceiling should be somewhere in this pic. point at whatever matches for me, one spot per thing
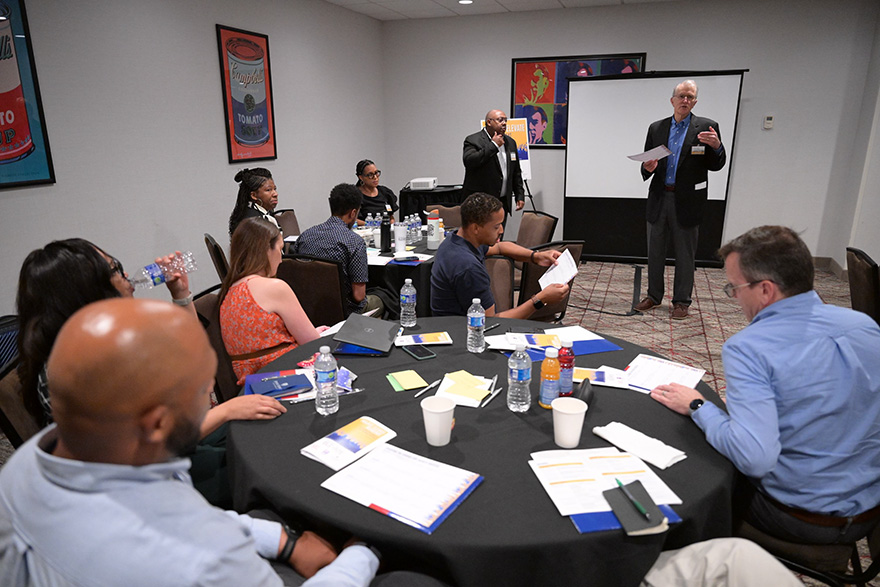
(403, 9)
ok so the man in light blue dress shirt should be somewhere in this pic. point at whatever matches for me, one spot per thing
(803, 398)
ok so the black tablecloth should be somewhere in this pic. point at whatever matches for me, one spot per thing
(507, 532)
(392, 276)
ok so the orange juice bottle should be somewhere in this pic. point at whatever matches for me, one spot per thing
(549, 378)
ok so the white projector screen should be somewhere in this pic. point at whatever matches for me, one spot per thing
(608, 120)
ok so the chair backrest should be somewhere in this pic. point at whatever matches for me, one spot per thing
(218, 257)
(287, 221)
(535, 228)
(451, 215)
(208, 307)
(16, 422)
(500, 271)
(864, 283)
(8, 339)
(529, 285)
(317, 284)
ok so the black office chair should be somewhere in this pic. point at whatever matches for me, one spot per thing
(218, 257)
(864, 283)
(533, 272)
(207, 305)
(317, 284)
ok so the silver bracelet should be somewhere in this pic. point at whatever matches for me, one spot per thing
(183, 301)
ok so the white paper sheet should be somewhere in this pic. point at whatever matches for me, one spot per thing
(573, 333)
(564, 270)
(646, 372)
(655, 153)
(410, 488)
(575, 480)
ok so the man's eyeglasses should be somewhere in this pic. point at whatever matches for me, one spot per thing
(373, 175)
(730, 289)
(499, 119)
(686, 98)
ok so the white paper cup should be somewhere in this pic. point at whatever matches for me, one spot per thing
(568, 421)
(437, 412)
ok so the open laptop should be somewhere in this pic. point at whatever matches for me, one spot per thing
(368, 332)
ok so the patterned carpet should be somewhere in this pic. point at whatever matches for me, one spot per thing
(696, 341)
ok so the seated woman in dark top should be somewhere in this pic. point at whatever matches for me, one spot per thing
(257, 197)
(376, 199)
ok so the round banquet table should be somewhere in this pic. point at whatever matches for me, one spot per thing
(507, 532)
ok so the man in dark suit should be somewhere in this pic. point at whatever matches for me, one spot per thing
(677, 194)
(491, 163)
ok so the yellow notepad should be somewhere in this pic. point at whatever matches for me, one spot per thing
(408, 379)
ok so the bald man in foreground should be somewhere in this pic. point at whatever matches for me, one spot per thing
(102, 496)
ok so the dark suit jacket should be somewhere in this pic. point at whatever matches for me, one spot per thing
(482, 172)
(693, 170)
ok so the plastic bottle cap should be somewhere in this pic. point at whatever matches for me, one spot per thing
(565, 343)
(551, 353)
(520, 348)
(408, 281)
(324, 349)
(475, 301)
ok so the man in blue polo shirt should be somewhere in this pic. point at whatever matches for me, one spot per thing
(458, 275)
(803, 398)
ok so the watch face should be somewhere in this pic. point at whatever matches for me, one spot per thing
(696, 404)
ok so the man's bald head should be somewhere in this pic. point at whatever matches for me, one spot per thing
(125, 375)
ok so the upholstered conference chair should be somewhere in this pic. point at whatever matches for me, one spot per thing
(218, 257)
(208, 308)
(317, 284)
(451, 215)
(500, 270)
(864, 283)
(287, 221)
(533, 272)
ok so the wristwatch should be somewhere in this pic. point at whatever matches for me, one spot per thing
(536, 301)
(695, 405)
(292, 536)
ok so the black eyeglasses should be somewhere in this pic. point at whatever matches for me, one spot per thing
(116, 267)
(730, 289)
(373, 175)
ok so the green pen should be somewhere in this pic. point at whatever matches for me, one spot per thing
(633, 500)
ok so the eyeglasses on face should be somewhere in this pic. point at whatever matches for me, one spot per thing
(499, 119)
(373, 175)
(116, 267)
(730, 289)
(687, 97)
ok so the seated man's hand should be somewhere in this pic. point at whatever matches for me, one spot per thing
(252, 407)
(311, 553)
(676, 397)
(553, 293)
(547, 258)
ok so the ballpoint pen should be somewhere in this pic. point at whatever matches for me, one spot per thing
(491, 397)
(633, 500)
(399, 332)
(424, 389)
(488, 328)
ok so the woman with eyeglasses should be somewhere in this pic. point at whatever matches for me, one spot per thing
(376, 199)
(66, 275)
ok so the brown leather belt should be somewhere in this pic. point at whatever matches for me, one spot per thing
(261, 352)
(825, 519)
(669, 188)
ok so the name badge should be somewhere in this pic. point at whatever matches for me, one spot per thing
(698, 150)
(513, 156)
(388, 207)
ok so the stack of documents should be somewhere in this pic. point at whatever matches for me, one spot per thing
(412, 489)
(465, 389)
(646, 372)
(349, 443)
(562, 272)
(584, 342)
(575, 480)
(657, 453)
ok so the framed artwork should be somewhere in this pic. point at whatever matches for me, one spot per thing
(25, 158)
(539, 90)
(247, 94)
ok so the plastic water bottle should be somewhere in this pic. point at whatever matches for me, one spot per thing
(476, 321)
(327, 399)
(549, 378)
(417, 228)
(368, 221)
(519, 376)
(155, 274)
(407, 304)
(566, 368)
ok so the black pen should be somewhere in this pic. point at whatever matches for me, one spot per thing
(488, 328)
(633, 500)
